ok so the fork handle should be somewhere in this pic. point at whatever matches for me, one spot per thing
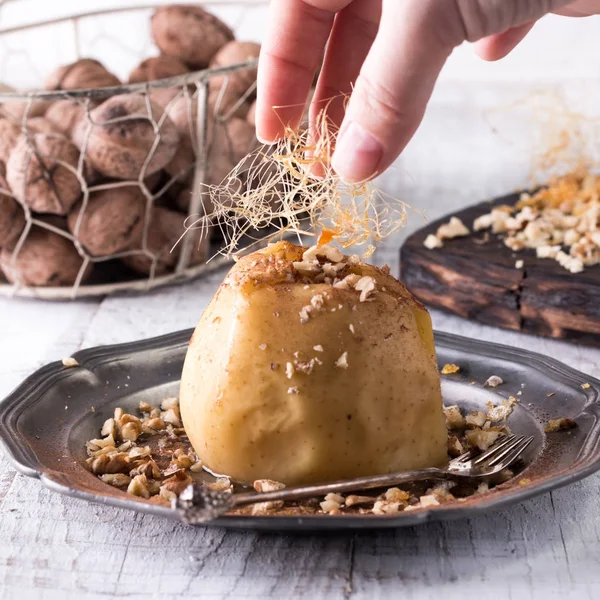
(349, 485)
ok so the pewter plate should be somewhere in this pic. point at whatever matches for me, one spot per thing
(45, 422)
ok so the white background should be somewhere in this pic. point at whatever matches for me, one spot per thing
(557, 47)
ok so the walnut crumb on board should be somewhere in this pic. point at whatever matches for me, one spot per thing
(432, 241)
(560, 221)
(453, 229)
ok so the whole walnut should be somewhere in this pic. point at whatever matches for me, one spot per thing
(234, 53)
(9, 134)
(166, 228)
(85, 73)
(10, 131)
(65, 114)
(189, 33)
(45, 259)
(38, 179)
(232, 141)
(222, 100)
(12, 217)
(121, 137)
(237, 137)
(112, 221)
(158, 67)
(17, 109)
(183, 164)
(164, 97)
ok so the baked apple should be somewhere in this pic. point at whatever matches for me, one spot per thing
(311, 366)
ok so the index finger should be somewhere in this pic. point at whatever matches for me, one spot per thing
(296, 37)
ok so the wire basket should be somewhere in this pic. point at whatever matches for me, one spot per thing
(150, 148)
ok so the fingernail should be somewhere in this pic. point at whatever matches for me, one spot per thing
(265, 142)
(357, 154)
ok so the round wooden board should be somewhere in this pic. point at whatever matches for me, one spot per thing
(476, 277)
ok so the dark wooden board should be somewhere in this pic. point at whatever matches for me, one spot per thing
(475, 277)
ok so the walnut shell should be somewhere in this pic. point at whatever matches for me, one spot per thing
(158, 67)
(85, 73)
(189, 33)
(164, 97)
(234, 53)
(183, 163)
(122, 136)
(10, 131)
(113, 220)
(232, 142)
(12, 217)
(236, 137)
(65, 114)
(9, 134)
(45, 259)
(16, 109)
(37, 179)
(166, 227)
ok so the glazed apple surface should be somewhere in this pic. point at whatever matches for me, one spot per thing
(312, 366)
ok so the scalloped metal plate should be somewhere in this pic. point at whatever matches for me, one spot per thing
(44, 423)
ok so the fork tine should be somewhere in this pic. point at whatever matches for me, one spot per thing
(508, 456)
(492, 450)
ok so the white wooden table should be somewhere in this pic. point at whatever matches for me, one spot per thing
(57, 548)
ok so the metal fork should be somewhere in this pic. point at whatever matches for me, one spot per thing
(198, 504)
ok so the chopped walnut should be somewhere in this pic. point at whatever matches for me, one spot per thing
(455, 447)
(292, 390)
(454, 417)
(562, 424)
(70, 362)
(432, 241)
(453, 229)
(481, 438)
(476, 418)
(365, 285)
(116, 479)
(178, 482)
(499, 413)
(332, 503)
(396, 495)
(383, 507)
(585, 386)
(289, 370)
(172, 417)
(353, 500)
(318, 348)
(426, 501)
(139, 487)
(348, 282)
(342, 361)
(494, 381)
(450, 369)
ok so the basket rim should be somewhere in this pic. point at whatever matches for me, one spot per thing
(116, 10)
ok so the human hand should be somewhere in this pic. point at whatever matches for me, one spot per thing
(385, 55)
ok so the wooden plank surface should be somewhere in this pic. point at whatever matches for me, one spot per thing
(58, 548)
(476, 277)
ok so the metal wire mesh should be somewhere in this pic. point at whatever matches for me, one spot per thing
(151, 148)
